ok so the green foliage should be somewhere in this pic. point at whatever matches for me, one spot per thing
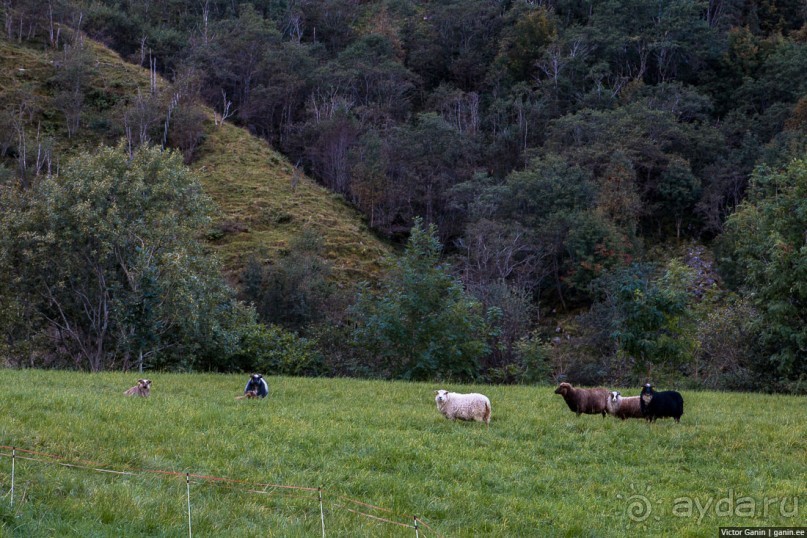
(295, 292)
(422, 324)
(525, 41)
(724, 357)
(556, 201)
(427, 158)
(764, 244)
(272, 350)
(678, 190)
(596, 127)
(548, 192)
(651, 320)
(105, 256)
(533, 364)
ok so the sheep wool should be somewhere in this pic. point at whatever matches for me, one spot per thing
(454, 405)
(588, 401)
(623, 407)
(655, 405)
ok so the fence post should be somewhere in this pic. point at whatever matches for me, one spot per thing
(321, 512)
(13, 460)
(188, 484)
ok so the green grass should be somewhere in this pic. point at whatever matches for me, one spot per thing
(263, 211)
(538, 470)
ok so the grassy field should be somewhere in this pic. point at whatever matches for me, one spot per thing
(735, 459)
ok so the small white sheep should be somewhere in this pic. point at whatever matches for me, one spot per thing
(454, 405)
(623, 407)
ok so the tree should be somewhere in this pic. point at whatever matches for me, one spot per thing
(71, 78)
(369, 176)
(556, 203)
(368, 74)
(234, 59)
(678, 190)
(295, 291)
(105, 260)
(618, 197)
(524, 41)
(422, 324)
(426, 159)
(651, 320)
(764, 250)
(649, 136)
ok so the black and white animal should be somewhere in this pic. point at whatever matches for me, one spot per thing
(623, 407)
(655, 405)
(257, 386)
(143, 388)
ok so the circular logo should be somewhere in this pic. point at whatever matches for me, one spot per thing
(639, 507)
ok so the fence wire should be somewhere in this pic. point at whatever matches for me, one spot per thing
(284, 491)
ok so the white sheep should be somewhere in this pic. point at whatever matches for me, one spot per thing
(454, 405)
(623, 407)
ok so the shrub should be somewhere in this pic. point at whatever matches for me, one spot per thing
(272, 350)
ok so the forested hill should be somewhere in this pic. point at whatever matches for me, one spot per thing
(605, 177)
(262, 202)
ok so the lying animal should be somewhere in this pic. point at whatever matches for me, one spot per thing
(623, 407)
(248, 395)
(143, 388)
(454, 405)
(256, 384)
(661, 404)
(588, 401)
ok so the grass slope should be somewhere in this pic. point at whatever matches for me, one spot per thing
(263, 207)
(259, 211)
(538, 471)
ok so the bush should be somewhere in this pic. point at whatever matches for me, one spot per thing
(423, 325)
(532, 364)
(271, 350)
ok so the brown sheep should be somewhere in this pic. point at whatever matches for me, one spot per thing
(143, 388)
(588, 401)
(623, 407)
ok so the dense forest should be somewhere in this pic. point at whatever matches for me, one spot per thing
(592, 190)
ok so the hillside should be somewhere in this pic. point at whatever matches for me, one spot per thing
(381, 450)
(259, 208)
(263, 205)
(609, 193)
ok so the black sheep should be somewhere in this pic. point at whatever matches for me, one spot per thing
(661, 404)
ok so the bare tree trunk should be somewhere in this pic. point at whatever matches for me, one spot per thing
(171, 107)
(205, 19)
(556, 271)
(9, 21)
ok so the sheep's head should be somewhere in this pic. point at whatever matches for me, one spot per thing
(441, 397)
(144, 384)
(563, 389)
(615, 396)
(255, 382)
(647, 393)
